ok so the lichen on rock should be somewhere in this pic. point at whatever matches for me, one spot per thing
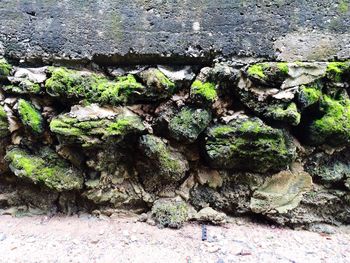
(248, 144)
(189, 123)
(30, 116)
(44, 167)
(268, 73)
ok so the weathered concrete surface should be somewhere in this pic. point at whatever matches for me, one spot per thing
(100, 29)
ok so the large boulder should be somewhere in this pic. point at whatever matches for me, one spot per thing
(248, 144)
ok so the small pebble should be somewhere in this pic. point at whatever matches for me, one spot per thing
(2, 236)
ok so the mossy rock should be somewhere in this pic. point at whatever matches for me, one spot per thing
(272, 73)
(24, 87)
(288, 114)
(189, 123)
(44, 167)
(329, 169)
(158, 85)
(92, 87)
(5, 68)
(30, 116)
(93, 125)
(309, 95)
(338, 71)
(4, 125)
(248, 144)
(160, 164)
(333, 127)
(170, 213)
(204, 92)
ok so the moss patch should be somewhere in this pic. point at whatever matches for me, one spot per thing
(30, 116)
(189, 123)
(336, 70)
(289, 114)
(248, 145)
(257, 70)
(46, 168)
(4, 125)
(24, 87)
(206, 91)
(92, 87)
(5, 68)
(334, 126)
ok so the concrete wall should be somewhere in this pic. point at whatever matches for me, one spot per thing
(199, 30)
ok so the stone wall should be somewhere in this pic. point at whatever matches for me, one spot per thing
(188, 110)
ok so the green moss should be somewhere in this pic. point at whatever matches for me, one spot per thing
(343, 6)
(205, 90)
(248, 145)
(5, 68)
(168, 163)
(124, 125)
(4, 131)
(222, 130)
(335, 70)
(334, 126)
(170, 213)
(283, 67)
(258, 70)
(30, 116)
(92, 87)
(92, 131)
(310, 94)
(189, 123)
(289, 114)
(24, 87)
(165, 81)
(44, 168)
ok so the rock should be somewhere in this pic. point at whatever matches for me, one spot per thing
(210, 177)
(248, 144)
(189, 123)
(45, 167)
(159, 164)
(208, 214)
(91, 125)
(281, 192)
(5, 68)
(92, 87)
(4, 125)
(23, 87)
(333, 127)
(178, 74)
(170, 213)
(272, 73)
(159, 86)
(30, 116)
(204, 92)
(331, 169)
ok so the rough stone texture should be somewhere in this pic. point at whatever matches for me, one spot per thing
(284, 29)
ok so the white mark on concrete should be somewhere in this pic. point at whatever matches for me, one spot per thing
(196, 26)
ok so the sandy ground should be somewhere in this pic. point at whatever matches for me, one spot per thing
(89, 239)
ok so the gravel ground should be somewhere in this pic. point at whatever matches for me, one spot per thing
(89, 239)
